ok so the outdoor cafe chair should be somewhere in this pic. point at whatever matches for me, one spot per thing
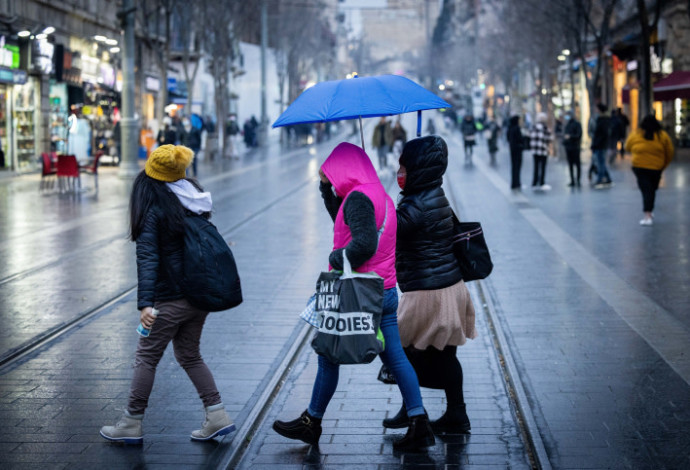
(49, 170)
(92, 168)
(68, 173)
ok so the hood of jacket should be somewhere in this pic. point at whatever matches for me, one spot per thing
(426, 160)
(347, 167)
(514, 121)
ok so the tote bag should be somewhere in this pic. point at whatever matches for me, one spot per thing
(470, 250)
(349, 307)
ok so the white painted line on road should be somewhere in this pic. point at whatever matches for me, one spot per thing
(658, 327)
(661, 330)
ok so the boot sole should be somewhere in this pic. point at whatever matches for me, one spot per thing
(399, 425)
(126, 440)
(458, 430)
(296, 438)
(221, 432)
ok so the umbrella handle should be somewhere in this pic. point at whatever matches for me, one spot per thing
(361, 133)
(419, 123)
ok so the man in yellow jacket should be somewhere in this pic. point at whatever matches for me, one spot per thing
(652, 151)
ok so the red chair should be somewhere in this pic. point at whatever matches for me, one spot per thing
(68, 173)
(48, 172)
(92, 168)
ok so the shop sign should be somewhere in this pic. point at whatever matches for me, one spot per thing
(18, 77)
(42, 56)
(9, 56)
(153, 84)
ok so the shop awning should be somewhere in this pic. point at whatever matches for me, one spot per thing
(675, 85)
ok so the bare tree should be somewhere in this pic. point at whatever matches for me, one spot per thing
(155, 20)
(189, 45)
(646, 93)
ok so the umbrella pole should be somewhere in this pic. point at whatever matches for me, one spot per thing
(419, 123)
(361, 133)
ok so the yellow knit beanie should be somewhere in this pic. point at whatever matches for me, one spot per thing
(169, 162)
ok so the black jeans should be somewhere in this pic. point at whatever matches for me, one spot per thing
(539, 170)
(648, 182)
(573, 156)
(515, 166)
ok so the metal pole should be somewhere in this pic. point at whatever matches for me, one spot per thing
(419, 123)
(129, 123)
(263, 128)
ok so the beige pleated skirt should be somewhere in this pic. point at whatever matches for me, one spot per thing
(438, 318)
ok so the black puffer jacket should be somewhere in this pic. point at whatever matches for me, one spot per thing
(159, 256)
(424, 258)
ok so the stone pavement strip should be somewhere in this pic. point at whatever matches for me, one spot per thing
(353, 436)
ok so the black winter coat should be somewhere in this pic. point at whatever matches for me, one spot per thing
(424, 258)
(574, 132)
(159, 256)
(600, 139)
(514, 135)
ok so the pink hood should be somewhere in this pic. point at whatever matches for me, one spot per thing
(349, 168)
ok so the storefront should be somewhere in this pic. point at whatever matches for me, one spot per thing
(19, 101)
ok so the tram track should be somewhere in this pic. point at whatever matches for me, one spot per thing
(510, 376)
(47, 336)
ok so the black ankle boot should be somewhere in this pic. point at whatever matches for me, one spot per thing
(306, 428)
(419, 435)
(398, 421)
(453, 421)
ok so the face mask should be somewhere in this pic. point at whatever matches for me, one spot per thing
(567, 117)
(402, 178)
(333, 189)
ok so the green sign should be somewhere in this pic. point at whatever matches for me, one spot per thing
(9, 56)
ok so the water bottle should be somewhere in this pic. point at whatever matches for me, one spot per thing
(142, 330)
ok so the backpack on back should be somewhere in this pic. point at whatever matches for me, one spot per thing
(210, 280)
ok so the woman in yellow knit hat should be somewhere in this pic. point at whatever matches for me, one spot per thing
(160, 197)
(652, 151)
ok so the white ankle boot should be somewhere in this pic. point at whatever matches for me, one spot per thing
(128, 430)
(217, 423)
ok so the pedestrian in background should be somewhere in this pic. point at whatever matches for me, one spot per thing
(652, 151)
(572, 139)
(382, 141)
(540, 139)
(600, 146)
(191, 138)
(399, 136)
(160, 198)
(625, 122)
(492, 142)
(358, 204)
(436, 314)
(469, 136)
(616, 135)
(516, 143)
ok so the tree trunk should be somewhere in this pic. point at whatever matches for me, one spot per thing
(646, 93)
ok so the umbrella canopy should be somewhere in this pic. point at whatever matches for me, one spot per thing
(360, 97)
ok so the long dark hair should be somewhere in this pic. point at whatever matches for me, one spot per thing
(147, 193)
(650, 126)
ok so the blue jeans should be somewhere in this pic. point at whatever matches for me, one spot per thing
(602, 172)
(393, 357)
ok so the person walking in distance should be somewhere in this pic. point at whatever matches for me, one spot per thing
(652, 151)
(469, 136)
(436, 314)
(600, 146)
(572, 138)
(358, 204)
(160, 198)
(516, 144)
(540, 139)
(382, 141)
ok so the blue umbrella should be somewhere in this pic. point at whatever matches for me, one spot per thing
(360, 97)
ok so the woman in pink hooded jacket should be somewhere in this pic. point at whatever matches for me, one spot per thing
(359, 206)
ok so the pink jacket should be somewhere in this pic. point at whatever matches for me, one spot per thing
(349, 168)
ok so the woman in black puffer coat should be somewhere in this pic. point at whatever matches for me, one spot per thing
(435, 314)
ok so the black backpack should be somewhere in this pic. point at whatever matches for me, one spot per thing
(210, 280)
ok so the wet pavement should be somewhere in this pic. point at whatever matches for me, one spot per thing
(594, 308)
